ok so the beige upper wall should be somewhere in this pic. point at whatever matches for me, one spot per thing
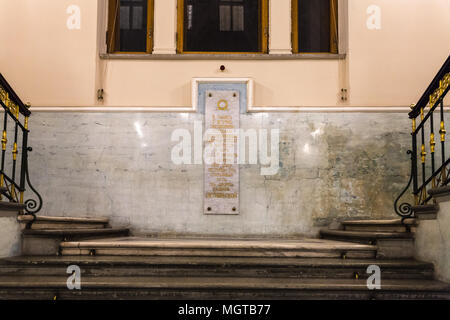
(50, 65)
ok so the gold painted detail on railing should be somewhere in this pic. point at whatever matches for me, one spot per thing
(432, 142)
(437, 94)
(424, 193)
(423, 153)
(13, 191)
(442, 131)
(13, 108)
(4, 140)
(14, 152)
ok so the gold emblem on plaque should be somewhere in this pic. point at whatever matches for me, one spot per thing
(222, 105)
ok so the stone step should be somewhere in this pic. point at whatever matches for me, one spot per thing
(394, 225)
(390, 245)
(47, 241)
(48, 222)
(11, 206)
(215, 266)
(311, 248)
(369, 237)
(55, 287)
(78, 233)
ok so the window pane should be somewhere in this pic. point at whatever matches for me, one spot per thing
(238, 18)
(124, 18)
(225, 18)
(314, 25)
(133, 26)
(190, 10)
(138, 17)
(222, 25)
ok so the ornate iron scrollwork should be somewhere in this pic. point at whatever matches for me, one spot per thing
(404, 210)
(32, 206)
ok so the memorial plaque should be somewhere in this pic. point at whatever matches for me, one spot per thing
(221, 168)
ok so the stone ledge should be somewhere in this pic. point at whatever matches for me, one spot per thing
(441, 193)
(224, 56)
(426, 212)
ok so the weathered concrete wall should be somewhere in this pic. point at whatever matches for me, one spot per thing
(332, 167)
(10, 236)
(433, 241)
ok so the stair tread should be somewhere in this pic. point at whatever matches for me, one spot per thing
(28, 218)
(303, 244)
(367, 234)
(193, 261)
(149, 282)
(380, 222)
(74, 231)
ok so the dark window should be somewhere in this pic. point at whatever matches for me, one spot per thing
(223, 26)
(129, 26)
(316, 26)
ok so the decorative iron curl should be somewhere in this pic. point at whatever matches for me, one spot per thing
(32, 206)
(404, 210)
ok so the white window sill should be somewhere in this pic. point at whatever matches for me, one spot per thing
(224, 56)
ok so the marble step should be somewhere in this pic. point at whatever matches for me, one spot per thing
(47, 241)
(393, 225)
(55, 287)
(311, 248)
(215, 266)
(390, 245)
(48, 222)
(78, 233)
(363, 236)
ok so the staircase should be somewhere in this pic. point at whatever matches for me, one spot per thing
(393, 238)
(43, 235)
(116, 266)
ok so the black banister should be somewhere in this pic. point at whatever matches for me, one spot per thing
(431, 176)
(17, 112)
(424, 99)
(14, 97)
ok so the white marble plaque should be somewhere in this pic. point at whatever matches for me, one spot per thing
(221, 169)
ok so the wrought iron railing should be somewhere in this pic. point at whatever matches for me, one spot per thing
(434, 170)
(14, 174)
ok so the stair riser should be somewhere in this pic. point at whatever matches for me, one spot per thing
(215, 253)
(39, 246)
(387, 248)
(65, 226)
(42, 245)
(348, 239)
(375, 228)
(395, 248)
(222, 271)
(214, 294)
